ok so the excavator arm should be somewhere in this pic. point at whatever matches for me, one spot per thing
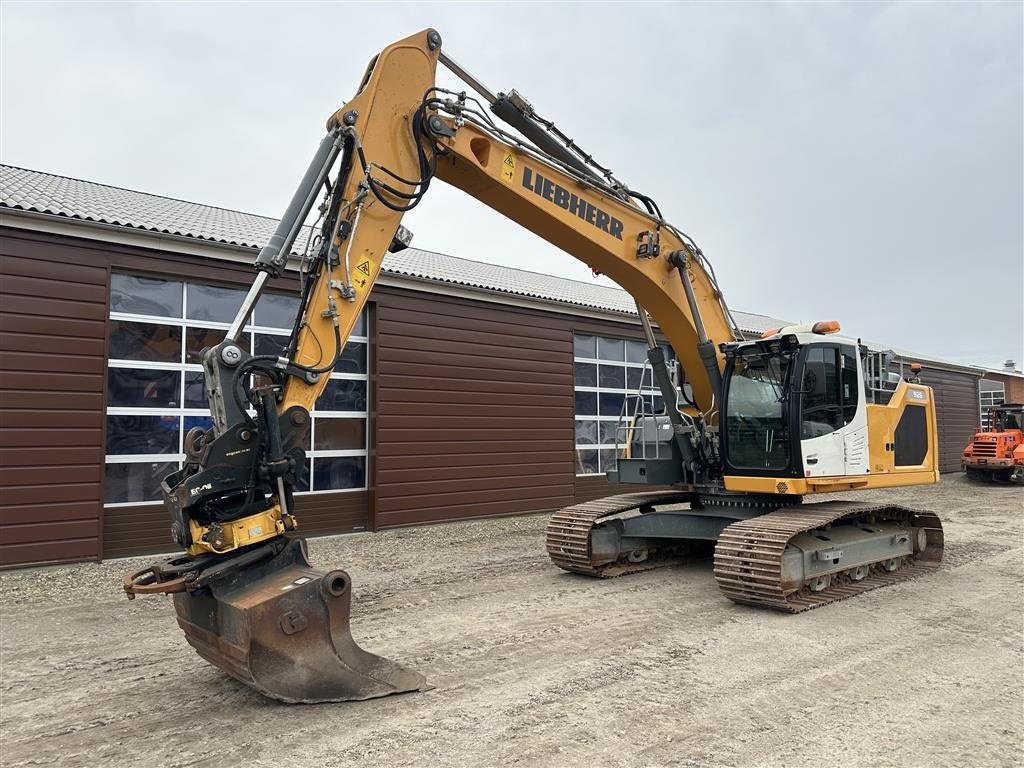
(245, 593)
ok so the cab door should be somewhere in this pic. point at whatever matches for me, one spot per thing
(821, 412)
(855, 411)
(833, 416)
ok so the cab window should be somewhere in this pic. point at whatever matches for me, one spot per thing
(756, 415)
(850, 383)
(822, 410)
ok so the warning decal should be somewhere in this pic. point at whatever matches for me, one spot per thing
(508, 166)
(361, 276)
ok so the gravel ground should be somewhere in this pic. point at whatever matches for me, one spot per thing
(533, 666)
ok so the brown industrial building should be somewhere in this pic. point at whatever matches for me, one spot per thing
(469, 389)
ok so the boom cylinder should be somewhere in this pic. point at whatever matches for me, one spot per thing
(511, 113)
(659, 370)
(705, 347)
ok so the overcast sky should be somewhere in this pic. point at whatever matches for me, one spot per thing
(857, 162)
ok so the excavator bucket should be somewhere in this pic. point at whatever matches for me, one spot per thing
(279, 626)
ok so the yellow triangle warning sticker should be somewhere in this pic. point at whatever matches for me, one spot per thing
(364, 267)
(508, 166)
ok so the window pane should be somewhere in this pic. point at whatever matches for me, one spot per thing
(822, 411)
(302, 477)
(586, 432)
(850, 383)
(757, 425)
(198, 339)
(611, 349)
(584, 346)
(636, 352)
(265, 344)
(608, 459)
(635, 375)
(653, 403)
(625, 371)
(612, 376)
(213, 303)
(339, 472)
(135, 482)
(359, 329)
(144, 341)
(339, 434)
(611, 403)
(139, 388)
(353, 358)
(276, 310)
(303, 442)
(585, 374)
(195, 390)
(145, 296)
(343, 395)
(586, 462)
(197, 421)
(586, 403)
(142, 434)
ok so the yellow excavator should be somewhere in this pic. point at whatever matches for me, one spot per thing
(764, 423)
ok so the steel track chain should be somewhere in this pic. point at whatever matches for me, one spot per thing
(748, 555)
(568, 531)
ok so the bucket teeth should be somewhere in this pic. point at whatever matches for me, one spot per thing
(282, 628)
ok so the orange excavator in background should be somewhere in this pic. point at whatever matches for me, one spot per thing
(767, 422)
(996, 454)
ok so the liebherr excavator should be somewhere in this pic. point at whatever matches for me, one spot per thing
(798, 412)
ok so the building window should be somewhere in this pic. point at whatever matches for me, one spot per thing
(156, 391)
(990, 394)
(607, 370)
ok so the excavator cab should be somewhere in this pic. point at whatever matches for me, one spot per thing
(789, 402)
(798, 409)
